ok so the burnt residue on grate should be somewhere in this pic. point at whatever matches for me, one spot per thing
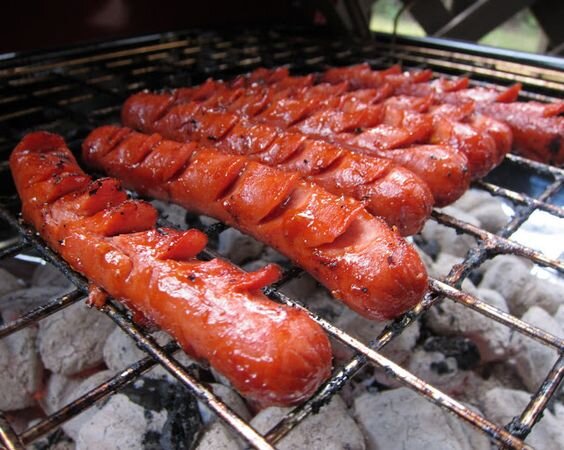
(71, 92)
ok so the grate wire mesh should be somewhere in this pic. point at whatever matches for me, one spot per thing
(74, 90)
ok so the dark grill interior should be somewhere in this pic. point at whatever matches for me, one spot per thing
(72, 91)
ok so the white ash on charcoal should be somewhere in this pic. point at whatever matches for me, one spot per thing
(399, 350)
(254, 265)
(443, 361)
(323, 303)
(436, 369)
(208, 221)
(559, 317)
(21, 371)
(73, 339)
(121, 351)
(425, 257)
(62, 390)
(511, 276)
(402, 419)
(501, 405)
(534, 360)
(9, 282)
(15, 303)
(171, 212)
(218, 437)
(494, 340)
(274, 256)
(331, 428)
(227, 396)
(446, 238)
(444, 263)
(301, 287)
(59, 390)
(487, 209)
(238, 247)
(149, 414)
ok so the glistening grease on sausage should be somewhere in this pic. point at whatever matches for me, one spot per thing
(271, 353)
(355, 255)
(180, 117)
(386, 189)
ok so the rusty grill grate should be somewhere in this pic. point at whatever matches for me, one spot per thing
(72, 91)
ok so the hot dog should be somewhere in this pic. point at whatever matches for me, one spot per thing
(538, 135)
(328, 111)
(386, 189)
(538, 128)
(446, 175)
(272, 354)
(355, 255)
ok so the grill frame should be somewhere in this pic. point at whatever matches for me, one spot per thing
(212, 54)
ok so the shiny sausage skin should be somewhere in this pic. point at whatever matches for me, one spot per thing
(271, 353)
(447, 182)
(538, 128)
(535, 135)
(355, 255)
(402, 122)
(352, 119)
(386, 189)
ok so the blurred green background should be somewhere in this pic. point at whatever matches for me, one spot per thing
(521, 32)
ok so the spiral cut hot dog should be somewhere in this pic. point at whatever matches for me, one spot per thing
(388, 190)
(380, 122)
(271, 353)
(178, 115)
(355, 255)
(537, 128)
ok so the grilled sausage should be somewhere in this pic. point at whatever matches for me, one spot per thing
(328, 111)
(355, 255)
(446, 177)
(323, 111)
(538, 128)
(272, 354)
(386, 189)
(536, 134)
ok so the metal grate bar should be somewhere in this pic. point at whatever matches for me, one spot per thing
(498, 244)
(13, 248)
(223, 411)
(8, 437)
(556, 172)
(64, 83)
(497, 314)
(408, 379)
(86, 401)
(473, 59)
(525, 212)
(30, 69)
(45, 310)
(495, 64)
(520, 198)
(515, 78)
(523, 425)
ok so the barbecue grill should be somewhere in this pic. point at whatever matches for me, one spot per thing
(71, 91)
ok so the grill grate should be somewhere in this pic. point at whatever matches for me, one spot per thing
(72, 91)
